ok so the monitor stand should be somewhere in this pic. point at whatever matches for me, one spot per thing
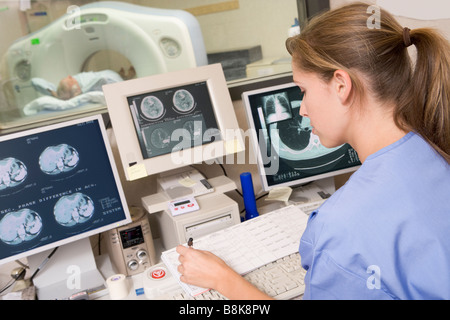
(183, 182)
(70, 270)
(319, 189)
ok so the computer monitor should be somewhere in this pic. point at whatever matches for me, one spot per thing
(288, 153)
(172, 120)
(58, 186)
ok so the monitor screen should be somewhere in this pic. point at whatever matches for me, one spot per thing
(191, 114)
(287, 151)
(58, 184)
(172, 120)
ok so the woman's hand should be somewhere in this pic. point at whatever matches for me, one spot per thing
(206, 270)
(202, 268)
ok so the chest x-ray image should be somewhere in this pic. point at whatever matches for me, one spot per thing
(277, 107)
(20, 226)
(12, 173)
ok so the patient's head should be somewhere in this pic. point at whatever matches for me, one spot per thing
(68, 88)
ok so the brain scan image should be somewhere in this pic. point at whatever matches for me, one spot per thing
(152, 107)
(183, 101)
(12, 173)
(160, 138)
(20, 226)
(195, 131)
(58, 159)
(73, 209)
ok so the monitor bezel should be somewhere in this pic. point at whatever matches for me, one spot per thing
(112, 163)
(257, 150)
(134, 164)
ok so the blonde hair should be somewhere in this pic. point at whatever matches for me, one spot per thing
(343, 39)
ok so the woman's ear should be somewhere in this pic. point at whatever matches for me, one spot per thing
(343, 86)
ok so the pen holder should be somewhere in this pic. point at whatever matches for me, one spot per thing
(249, 196)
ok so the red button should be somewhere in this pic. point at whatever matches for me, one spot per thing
(158, 273)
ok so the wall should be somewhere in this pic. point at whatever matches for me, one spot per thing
(443, 25)
(256, 22)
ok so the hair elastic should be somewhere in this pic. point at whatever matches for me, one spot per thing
(407, 37)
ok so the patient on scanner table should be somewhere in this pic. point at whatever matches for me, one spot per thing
(74, 91)
(83, 82)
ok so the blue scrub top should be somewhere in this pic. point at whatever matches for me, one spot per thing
(386, 233)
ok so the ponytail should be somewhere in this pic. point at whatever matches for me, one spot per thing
(428, 112)
(341, 39)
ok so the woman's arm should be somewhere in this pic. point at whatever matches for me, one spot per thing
(206, 270)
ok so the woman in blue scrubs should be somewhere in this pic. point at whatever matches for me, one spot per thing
(385, 233)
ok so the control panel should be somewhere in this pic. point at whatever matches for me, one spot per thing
(130, 247)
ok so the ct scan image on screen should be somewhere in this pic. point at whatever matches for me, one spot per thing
(54, 185)
(285, 137)
(173, 119)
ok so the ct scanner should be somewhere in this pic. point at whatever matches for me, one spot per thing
(153, 40)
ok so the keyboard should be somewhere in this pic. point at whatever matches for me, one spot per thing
(282, 280)
(263, 249)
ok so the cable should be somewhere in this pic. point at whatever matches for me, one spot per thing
(223, 169)
(43, 263)
(8, 285)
